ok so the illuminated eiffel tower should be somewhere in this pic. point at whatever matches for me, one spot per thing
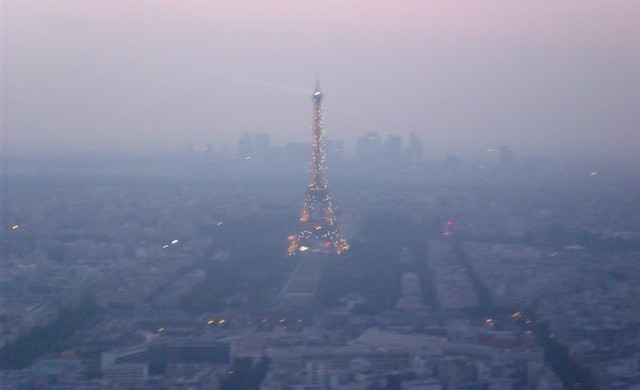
(318, 226)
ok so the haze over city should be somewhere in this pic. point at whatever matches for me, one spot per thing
(544, 77)
(335, 195)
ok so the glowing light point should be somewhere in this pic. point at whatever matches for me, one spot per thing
(174, 242)
(15, 227)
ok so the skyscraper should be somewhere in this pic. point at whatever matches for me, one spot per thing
(318, 225)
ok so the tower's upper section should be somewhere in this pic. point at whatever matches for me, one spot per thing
(318, 168)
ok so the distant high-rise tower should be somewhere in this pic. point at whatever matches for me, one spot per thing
(414, 150)
(318, 225)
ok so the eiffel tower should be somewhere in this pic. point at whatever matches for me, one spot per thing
(318, 225)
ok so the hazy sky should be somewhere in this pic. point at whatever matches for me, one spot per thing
(544, 76)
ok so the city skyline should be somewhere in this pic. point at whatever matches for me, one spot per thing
(544, 78)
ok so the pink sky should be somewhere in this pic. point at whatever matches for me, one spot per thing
(537, 75)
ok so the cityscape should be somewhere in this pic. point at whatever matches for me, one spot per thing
(453, 205)
(172, 271)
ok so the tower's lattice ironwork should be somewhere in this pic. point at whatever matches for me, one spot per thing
(318, 226)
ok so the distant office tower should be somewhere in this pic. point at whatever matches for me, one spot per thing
(369, 148)
(414, 150)
(393, 150)
(245, 146)
(262, 145)
(318, 225)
